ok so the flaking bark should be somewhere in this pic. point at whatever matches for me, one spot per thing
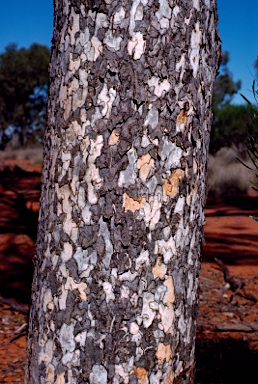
(121, 221)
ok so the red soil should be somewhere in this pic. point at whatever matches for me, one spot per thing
(223, 356)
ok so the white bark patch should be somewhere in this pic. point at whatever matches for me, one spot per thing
(167, 315)
(98, 375)
(145, 164)
(125, 292)
(165, 248)
(179, 208)
(159, 85)
(46, 353)
(156, 378)
(74, 65)
(67, 252)
(48, 303)
(104, 232)
(148, 314)
(171, 154)
(151, 209)
(142, 260)
(97, 46)
(112, 42)
(134, 328)
(92, 176)
(128, 276)
(101, 22)
(66, 159)
(164, 14)
(119, 16)
(145, 140)
(196, 39)
(81, 338)
(128, 176)
(164, 10)
(106, 99)
(196, 4)
(136, 46)
(133, 16)
(124, 370)
(166, 308)
(182, 323)
(85, 262)
(180, 66)
(63, 195)
(71, 285)
(152, 119)
(86, 215)
(66, 337)
(108, 289)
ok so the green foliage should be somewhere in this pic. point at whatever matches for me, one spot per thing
(252, 138)
(229, 126)
(225, 87)
(229, 121)
(23, 90)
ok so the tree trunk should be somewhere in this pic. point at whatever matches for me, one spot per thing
(122, 208)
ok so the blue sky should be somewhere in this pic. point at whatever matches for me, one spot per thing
(28, 21)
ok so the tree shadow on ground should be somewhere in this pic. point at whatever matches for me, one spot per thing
(225, 361)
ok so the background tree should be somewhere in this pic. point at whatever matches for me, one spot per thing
(121, 219)
(225, 87)
(231, 123)
(228, 124)
(229, 127)
(23, 90)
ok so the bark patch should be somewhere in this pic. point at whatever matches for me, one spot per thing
(131, 204)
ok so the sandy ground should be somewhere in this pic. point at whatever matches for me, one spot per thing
(227, 338)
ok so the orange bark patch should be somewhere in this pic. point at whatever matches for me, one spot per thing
(159, 270)
(142, 375)
(181, 118)
(169, 378)
(131, 204)
(169, 297)
(164, 352)
(170, 186)
(145, 163)
(114, 137)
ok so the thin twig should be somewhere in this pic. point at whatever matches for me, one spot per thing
(13, 305)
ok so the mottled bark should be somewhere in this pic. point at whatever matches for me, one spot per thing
(121, 220)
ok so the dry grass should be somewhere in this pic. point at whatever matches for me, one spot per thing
(226, 175)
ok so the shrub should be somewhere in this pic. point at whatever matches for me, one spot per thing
(226, 175)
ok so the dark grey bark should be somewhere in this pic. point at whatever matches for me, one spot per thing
(121, 221)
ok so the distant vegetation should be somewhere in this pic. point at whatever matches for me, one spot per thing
(23, 92)
(230, 122)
